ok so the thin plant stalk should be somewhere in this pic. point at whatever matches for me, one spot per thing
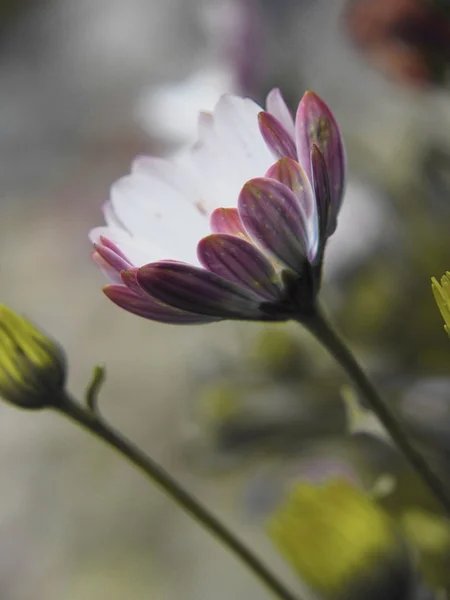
(318, 325)
(91, 421)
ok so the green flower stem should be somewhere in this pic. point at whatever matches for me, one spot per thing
(324, 333)
(93, 423)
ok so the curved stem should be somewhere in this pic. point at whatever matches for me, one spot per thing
(93, 423)
(322, 330)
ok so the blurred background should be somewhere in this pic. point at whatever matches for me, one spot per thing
(235, 411)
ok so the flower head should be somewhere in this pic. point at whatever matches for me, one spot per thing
(441, 292)
(32, 367)
(341, 544)
(223, 231)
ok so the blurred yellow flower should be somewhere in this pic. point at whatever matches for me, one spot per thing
(340, 543)
(219, 403)
(441, 292)
(429, 534)
(32, 367)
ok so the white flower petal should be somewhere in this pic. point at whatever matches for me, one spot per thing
(204, 124)
(179, 174)
(111, 217)
(151, 209)
(236, 124)
(277, 106)
(230, 152)
(171, 172)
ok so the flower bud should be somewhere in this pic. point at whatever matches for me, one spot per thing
(32, 366)
(341, 544)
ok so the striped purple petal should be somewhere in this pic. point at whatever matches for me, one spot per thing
(322, 194)
(227, 220)
(315, 124)
(279, 141)
(106, 242)
(240, 262)
(112, 258)
(274, 219)
(129, 278)
(148, 308)
(291, 173)
(196, 290)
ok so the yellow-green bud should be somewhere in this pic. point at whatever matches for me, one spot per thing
(32, 366)
(441, 292)
(341, 544)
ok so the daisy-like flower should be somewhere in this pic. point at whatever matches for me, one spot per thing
(236, 227)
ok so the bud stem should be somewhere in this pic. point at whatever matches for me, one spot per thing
(94, 423)
(318, 325)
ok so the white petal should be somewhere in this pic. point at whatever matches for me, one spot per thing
(236, 124)
(111, 217)
(277, 106)
(151, 209)
(205, 124)
(230, 152)
(171, 172)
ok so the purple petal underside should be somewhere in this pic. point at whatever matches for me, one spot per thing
(129, 278)
(148, 308)
(196, 290)
(114, 247)
(273, 218)
(112, 258)
(227, 220)
(291, 173)
(241, 262)
(315, 124)
(279, 141)
(322, 193)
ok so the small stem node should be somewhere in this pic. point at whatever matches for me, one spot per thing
(93, 389)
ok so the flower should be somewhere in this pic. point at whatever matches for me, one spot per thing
(32, 367)
(341, 544)
(441, 294)
(223, 231)
(429, 534)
